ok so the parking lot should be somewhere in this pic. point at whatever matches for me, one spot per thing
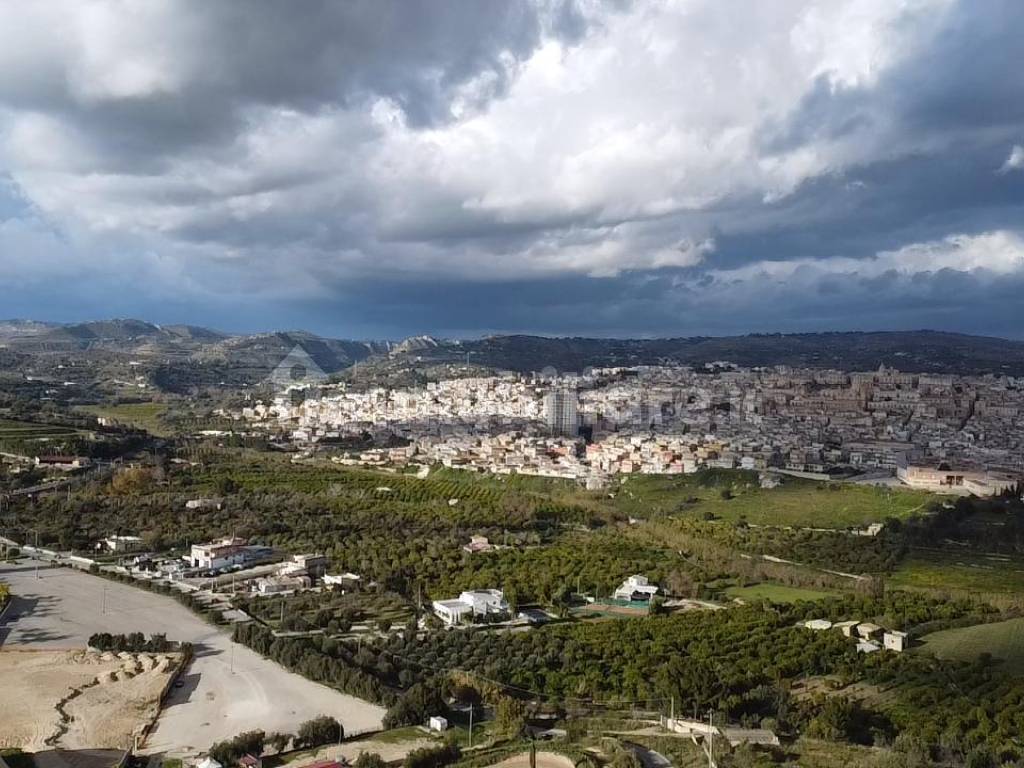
(226, 690)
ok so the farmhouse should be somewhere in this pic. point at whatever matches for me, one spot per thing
(120, 544)
(895, 641)
(472, 603)
(635, 588)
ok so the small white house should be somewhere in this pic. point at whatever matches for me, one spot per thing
(818, 625)
(868, 631)
(895, 641)
(438, 723)
(846, 627)
(867, 646)
(636, 587)
(475, 602)
(208, 762)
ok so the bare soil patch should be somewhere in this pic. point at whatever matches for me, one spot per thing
(78, 699)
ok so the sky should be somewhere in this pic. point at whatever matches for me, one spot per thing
(377, 169)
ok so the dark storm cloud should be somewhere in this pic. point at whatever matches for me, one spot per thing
(378, 168)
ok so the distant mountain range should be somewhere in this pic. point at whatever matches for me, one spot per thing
(180, 356)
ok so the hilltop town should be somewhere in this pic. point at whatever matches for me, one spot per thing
(942, 432)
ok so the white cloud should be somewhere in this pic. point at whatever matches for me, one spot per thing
(1015, 161)
(997, 253)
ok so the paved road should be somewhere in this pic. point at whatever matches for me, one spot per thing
(228, 688)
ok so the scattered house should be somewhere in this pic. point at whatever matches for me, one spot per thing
(438, 723)
(250, 761)
(846, 627)
(478, 544)
(203, 504)
(872, 530)
(344, 581)
(313, 566)
(472, 603)
(270, 585)
(818, 624)
(895, 641)
(218, 554)
(754, 736)
(63, 463)
(867, 646)
(120, 544)
(208, 762)
(635, 588)
(868, 631)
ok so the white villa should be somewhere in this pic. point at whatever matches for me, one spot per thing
(636, 587)
(476, 602)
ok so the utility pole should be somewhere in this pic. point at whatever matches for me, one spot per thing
(672, 716)
(103, 599)
(471, 708)
(36, 553)
(711, 739)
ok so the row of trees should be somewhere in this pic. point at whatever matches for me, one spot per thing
(134, 642)
(312, 733)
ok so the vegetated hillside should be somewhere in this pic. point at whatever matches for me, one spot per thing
(919, 351)
(264, 351)
(15, 328)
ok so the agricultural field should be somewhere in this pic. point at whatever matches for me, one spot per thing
(22, 435)
(776, 593)
(736, 496)
(1002, 640)
(960, 572)
(145, 416)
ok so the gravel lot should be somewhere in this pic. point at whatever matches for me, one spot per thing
(225, 692)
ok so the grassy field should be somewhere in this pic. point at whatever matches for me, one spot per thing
(142, 415)
(776, 593)
(30, 437)
(957, 571)
(1003, 640)
(798, 503)
(28, 430)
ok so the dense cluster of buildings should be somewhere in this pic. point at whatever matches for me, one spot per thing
(956, 433)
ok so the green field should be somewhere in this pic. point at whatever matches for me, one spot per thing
(141, 415)
(798, 503)
(1003, 640)
(958, 571)
(776, 593)
(30, 437)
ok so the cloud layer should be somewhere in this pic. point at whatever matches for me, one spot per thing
(376, 168)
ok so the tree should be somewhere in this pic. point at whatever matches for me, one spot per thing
(279, 741)
(510, 716)
(369, 760)
(318, 731)
(416, 705)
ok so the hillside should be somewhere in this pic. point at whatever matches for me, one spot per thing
(181, 358)
(917, 351)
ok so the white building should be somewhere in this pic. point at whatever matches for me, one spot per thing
(122, 543)
(438, 723)
(634, 588)
(895, 641)
(218, 554)
(818, 624)
(472, 603)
